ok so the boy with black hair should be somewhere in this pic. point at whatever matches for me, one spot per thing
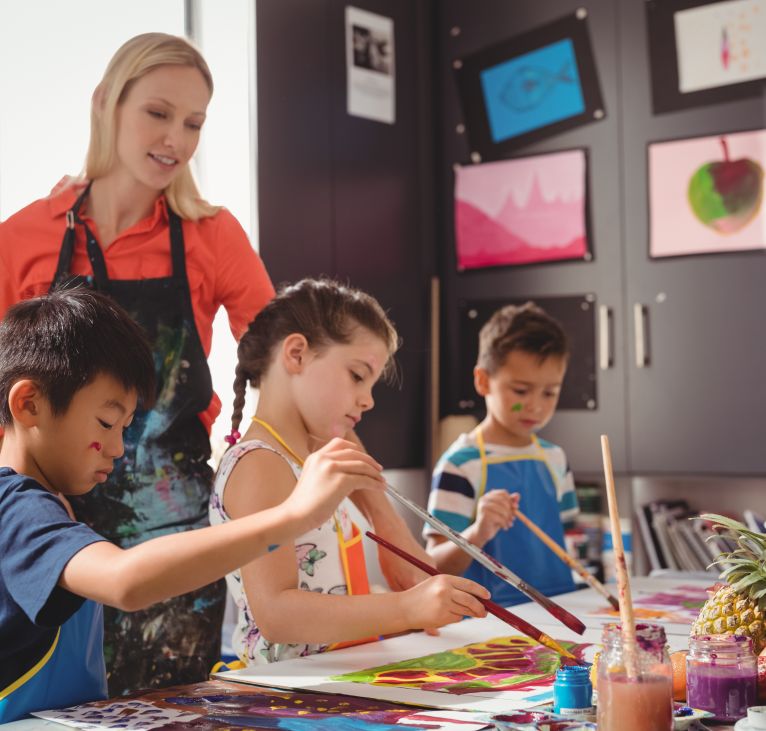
(480, 480)
(72, 368)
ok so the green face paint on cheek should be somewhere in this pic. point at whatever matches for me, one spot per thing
(517, 407)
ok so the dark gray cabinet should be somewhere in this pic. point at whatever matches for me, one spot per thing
(696, 404)
(693, 404)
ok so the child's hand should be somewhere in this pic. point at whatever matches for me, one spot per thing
(441, 600)
(496, 510)
(329, 475)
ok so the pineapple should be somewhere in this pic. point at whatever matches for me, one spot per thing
(737, 606)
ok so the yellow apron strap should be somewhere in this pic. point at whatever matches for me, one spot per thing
(5, 692)
(538, 455)
(483, 458)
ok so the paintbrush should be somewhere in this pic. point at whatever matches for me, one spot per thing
(627, 619)
(516, 622)
(565, 617)
(573, 563)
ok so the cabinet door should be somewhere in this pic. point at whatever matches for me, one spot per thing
(462, 29)
(695, 404)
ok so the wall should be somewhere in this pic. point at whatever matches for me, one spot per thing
(697, 409)
(677, 415)
(350, 197)
(463, 28)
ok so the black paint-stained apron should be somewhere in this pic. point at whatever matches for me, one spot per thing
(162, 483)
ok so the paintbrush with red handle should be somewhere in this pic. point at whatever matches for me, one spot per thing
(502, 572)
(516, 622)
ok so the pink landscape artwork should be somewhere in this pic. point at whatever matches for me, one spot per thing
(522, 211)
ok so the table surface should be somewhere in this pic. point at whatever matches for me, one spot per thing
(580, 603)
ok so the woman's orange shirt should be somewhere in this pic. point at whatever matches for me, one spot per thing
(223, 268)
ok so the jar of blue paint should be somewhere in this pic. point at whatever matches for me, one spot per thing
(573, 692)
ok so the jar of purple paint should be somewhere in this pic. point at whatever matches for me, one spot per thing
(721, 675)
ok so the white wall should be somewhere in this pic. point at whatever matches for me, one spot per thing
(52, 55)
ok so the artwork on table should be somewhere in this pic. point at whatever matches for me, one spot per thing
(680, 605)
(130, 714)
(501, 664)
(531, 86)
(522, 211)
(577, 315)
(219, 705)
(705, 52)
(706, 194)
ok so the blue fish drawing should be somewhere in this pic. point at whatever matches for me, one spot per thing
(530, 85)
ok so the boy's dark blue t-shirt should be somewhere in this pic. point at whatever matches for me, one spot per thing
(37, 540)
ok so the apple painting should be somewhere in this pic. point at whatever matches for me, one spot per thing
(726, 194)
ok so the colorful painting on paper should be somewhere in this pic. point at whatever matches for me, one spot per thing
(677, 606)
(220, 705)
(532, 90)
(503, 663)
(522, 211)
(720, 44)
(706, 194)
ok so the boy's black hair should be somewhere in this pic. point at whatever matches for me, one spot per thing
(527, 328)
(64, 339)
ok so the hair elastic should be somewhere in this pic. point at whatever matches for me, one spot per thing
(233, 437)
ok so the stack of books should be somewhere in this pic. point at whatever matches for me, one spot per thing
(675, 538)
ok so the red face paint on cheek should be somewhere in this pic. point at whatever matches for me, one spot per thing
(96, 446)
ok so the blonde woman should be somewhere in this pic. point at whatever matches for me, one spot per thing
(135, 227)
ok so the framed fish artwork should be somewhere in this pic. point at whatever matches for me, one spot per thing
(529, 87)
(704, 52)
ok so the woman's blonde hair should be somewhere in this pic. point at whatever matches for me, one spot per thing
(134, 59)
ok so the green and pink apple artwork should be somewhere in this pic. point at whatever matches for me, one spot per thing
(706, 194)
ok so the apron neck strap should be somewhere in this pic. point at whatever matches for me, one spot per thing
(96, 254)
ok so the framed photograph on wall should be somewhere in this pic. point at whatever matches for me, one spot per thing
(706, 194)
(527, 210)
(705, 52)
(529, 87)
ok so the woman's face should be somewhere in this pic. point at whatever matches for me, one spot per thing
(159, 123)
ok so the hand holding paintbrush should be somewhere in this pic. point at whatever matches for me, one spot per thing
(501, 613)
(502, 572)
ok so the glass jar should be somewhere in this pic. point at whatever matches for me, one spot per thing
(573, 692)
(643, 702)
(721, 675)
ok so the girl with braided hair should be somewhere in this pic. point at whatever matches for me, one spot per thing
(314, 352)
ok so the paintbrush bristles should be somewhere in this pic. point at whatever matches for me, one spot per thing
(627, 618)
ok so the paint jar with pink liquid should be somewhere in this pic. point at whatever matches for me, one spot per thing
(643, 702)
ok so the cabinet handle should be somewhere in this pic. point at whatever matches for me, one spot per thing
(640, 315)
(605, 359)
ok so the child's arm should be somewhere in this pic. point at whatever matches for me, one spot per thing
(496, 510)
(388, 524)
(286, 613)
(174, 564)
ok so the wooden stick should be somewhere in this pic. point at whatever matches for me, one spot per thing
(492, 564)
(516, 622)
(573, 563)
(627, 618)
